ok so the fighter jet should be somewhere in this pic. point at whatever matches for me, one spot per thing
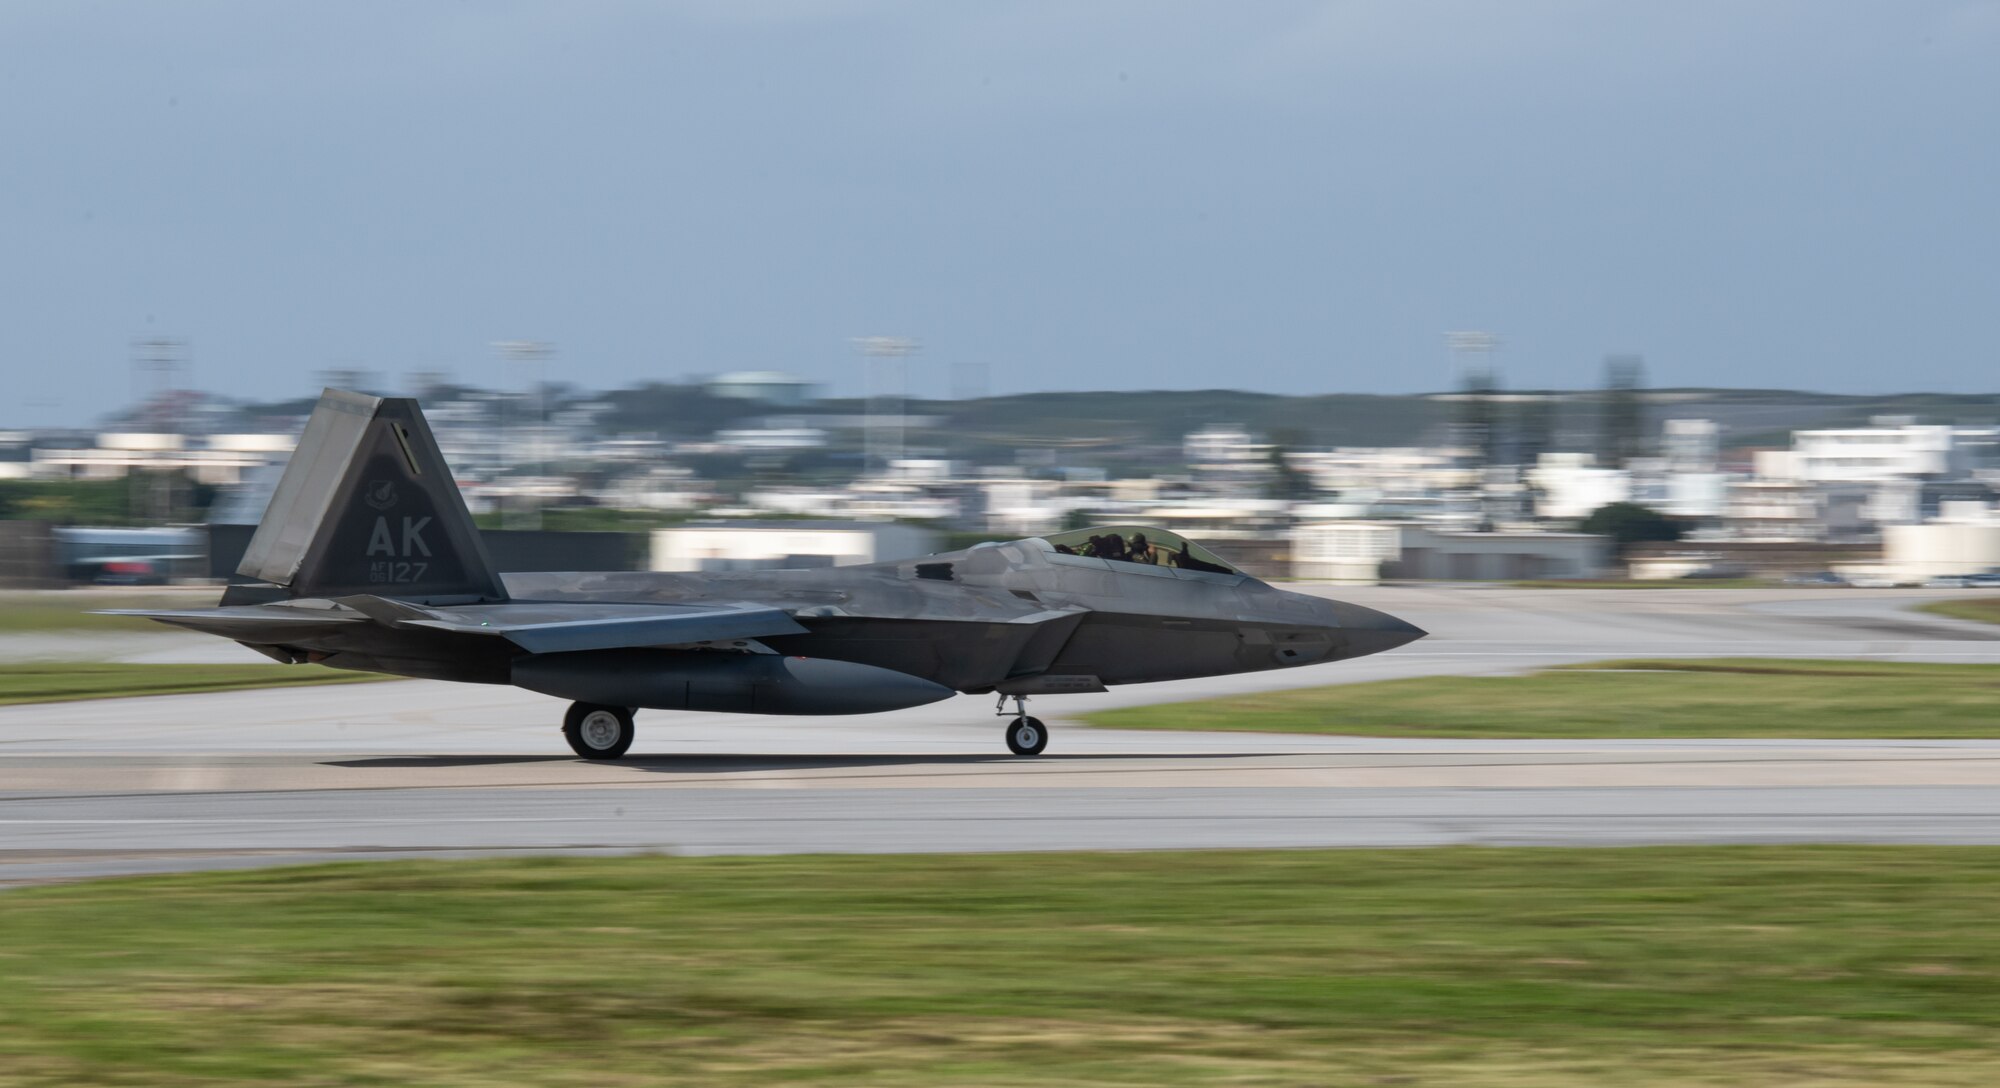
(367, 559)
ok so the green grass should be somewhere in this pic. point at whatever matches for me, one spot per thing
(26, 612)
(1983, 609)
(1724, 697)
(66, 681)
(1720, 965)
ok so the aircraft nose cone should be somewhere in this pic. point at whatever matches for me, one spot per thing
(1367, 630)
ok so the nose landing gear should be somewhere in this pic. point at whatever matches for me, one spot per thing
(1026, 736)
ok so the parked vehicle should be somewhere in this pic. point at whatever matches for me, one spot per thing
(1985, 579)
(1815, 578)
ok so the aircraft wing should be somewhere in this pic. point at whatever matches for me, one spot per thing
(561, 626)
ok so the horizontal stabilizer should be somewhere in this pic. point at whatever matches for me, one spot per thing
(537, 627)
(250, 623)
(546, 628)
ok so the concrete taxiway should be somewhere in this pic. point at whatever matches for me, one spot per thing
(413, 768)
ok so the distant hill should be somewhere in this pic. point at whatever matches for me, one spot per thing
(1080, 421)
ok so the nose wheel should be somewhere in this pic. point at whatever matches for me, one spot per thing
(598, 732)
(1026, 736)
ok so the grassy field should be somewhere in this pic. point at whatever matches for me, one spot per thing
(64, 681)
(28, 611)
(1983, 609)
(1468, 966)
(1722, 697)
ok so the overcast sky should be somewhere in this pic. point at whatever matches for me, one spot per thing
(1293, 197)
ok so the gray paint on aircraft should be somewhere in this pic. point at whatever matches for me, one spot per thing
(371, 562)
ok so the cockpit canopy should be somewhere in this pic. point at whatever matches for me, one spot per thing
(1139, 544)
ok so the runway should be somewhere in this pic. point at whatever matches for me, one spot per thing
(421, 769)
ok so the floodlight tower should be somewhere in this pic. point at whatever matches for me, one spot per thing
(1469, 344)
(159, 366)
(158, 363)
(885, 375)
(1477, 426)
(533, 356)
(1472, 377)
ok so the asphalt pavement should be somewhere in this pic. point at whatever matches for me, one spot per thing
(413, 768)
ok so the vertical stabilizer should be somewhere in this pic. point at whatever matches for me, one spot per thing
(367, 505)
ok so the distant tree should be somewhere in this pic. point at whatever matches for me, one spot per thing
(1287, 482)
(1628, 523)
(72, 502)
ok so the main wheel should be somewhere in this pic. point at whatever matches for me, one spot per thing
(1027, 736)
(598, 732)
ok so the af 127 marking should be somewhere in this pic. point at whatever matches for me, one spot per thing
(383, 542)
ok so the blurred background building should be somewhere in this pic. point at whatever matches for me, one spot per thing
(757, 469)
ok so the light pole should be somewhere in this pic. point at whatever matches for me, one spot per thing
(883, 364)
(158, 365)
(1480, 345)
(1476, 426)
(532, 355)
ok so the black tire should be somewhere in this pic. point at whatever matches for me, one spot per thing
(1027, 736)
(598, 732)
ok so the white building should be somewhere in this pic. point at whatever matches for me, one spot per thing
(1385, 473)
(1868, 454)
(1696, 495)
(1226, 450)
(770, 439)
(1345, 551)
(1690, 445)
(1891, 460)
(1965, 539)
(1792, 510)
(220, 459)
(1569, 486)
(1024, 506)
(786, 545)
(661, 487)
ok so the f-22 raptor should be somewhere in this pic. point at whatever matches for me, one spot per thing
(367, 559)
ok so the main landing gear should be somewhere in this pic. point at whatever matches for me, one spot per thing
(595, 731)
(1025, 736)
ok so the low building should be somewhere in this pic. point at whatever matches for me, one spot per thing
(139, 556)
(762, 386)
(1892, 461)
(1793, 510)
(1366, 552)
(770, 439)
(1964, 540)
(1227, 452)
(786, 545)
(1345, 551)
(1655, 560)
(220, 459)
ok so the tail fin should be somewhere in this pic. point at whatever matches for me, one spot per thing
(367, 505)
